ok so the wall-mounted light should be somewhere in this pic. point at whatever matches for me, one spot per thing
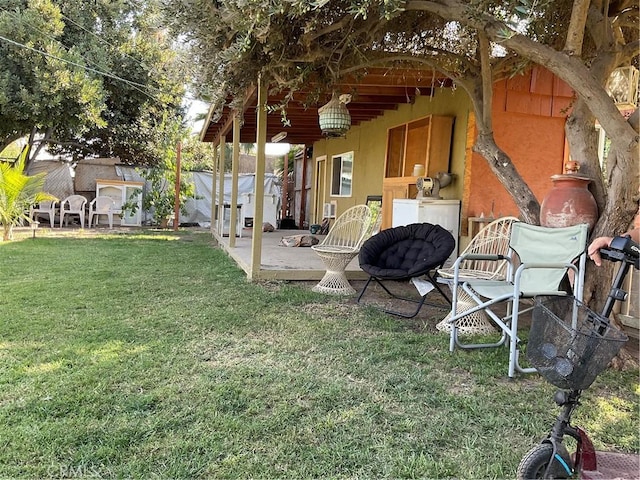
(622, 86)
(278, 136)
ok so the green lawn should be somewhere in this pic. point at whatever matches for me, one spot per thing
(149, 355)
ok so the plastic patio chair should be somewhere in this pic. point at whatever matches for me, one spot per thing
(537, 262)
(340, 246)
(492, 239)
(46, 208)
(73, 205)
(102, 206)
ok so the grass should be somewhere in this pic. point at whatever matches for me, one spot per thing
(149, 355)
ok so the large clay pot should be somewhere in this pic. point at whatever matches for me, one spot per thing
(569, 202)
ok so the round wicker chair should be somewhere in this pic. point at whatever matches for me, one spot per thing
(492, 239)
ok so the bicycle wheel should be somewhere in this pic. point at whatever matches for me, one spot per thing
(534, 464)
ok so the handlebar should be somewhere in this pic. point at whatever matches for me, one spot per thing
(625, 250)
(622, 249)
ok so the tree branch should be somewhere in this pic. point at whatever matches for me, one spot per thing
(572, 71)
(344, 21)
(487, 82)
(630, 50)
(575, 35)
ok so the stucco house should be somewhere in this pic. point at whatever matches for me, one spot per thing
(403, 118)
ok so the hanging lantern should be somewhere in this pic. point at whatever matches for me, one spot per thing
(335, 119)
(622, 86)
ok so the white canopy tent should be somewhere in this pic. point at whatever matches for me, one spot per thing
(199, 208)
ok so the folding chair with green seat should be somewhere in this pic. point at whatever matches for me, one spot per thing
(538, 260)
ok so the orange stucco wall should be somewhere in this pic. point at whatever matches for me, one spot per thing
(528, 119)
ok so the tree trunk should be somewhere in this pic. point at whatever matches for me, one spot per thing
(7, 233)
(36, 147)
(481, 94)
(580, 130)
(616, 214)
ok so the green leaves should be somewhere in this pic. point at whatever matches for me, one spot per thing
(97, 76)
(17, 192)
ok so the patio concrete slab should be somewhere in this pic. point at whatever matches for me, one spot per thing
(280, 262)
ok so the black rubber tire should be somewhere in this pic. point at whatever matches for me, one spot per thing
(535, 462)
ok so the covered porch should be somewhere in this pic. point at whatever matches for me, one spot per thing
(278, 262)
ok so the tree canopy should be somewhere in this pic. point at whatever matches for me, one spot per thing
(88, 78)
(473, 42)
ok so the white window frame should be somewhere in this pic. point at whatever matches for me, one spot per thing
(342, 175)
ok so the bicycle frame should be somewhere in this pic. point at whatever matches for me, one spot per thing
(585, 455)
(622, 250)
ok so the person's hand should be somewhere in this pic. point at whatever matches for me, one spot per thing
(594, 249)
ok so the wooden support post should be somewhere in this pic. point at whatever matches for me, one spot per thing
(258, 215)
(285, 187)
(234, 182)
(223, 143)
(176, 206)
(303, 190)
(212, 227)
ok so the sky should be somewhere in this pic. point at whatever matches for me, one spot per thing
(196, 107)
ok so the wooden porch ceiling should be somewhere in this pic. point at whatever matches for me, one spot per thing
(371, 95)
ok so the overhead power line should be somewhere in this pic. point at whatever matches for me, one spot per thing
(140, 86)
(58, 41)
(102, 40)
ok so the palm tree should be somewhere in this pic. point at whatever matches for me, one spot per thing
(17, 192)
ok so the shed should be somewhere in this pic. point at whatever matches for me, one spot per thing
(90, 169)
(58, 181)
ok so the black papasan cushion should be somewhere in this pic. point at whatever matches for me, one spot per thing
(406, 252)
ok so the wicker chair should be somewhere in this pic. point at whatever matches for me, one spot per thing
(493, 239)
(340, 246)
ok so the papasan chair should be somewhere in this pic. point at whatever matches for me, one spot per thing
(404, 253)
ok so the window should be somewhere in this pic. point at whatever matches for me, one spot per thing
(341, 174)
(604, 148)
